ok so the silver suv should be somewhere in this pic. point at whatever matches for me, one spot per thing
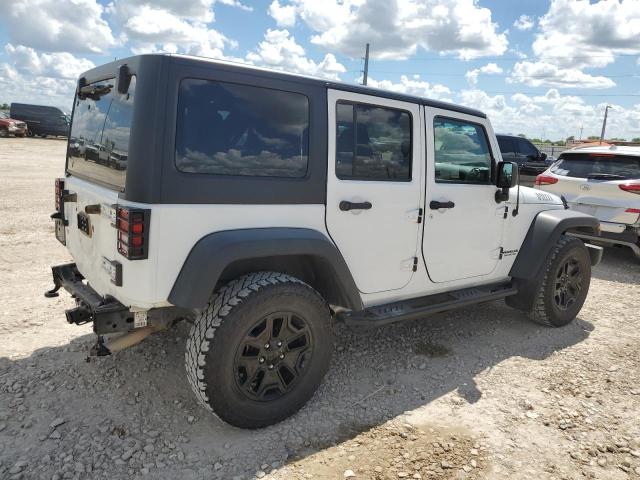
(603, 181)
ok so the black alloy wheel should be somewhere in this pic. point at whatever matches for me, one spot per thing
(568, 283)
(273, 356)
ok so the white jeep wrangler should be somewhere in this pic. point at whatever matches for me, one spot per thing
(262, 206)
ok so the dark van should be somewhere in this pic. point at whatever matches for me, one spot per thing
(41, 120)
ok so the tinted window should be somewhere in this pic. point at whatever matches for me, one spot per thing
(527, 149)
(229, 129)
(461, 152)
(507, 145)
(584, 165)
(99, 139)
(372, 143)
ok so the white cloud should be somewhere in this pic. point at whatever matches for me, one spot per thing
(489, 69)
(396, 28)
(280, 50)
(15, 87)
(285, 16)
(73, 26)
(63, 65)
(524, 22)
(582, 33)
(196, 10)
(544, 74)
(237, 4)
(414, 86)
(556, 115)
(158, 30)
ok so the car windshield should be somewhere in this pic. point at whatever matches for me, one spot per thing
(606, 166)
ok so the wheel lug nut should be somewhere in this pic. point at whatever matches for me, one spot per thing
(279, 344)
(281, 356)
(270, 367)
(261, 360)
(267, 346)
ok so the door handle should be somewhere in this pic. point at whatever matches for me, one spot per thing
(345, 206)
(435, 205)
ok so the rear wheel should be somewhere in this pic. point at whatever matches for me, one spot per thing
(259, 350)
(564, 288)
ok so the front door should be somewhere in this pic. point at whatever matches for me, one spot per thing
(463, 223)
(373, 187)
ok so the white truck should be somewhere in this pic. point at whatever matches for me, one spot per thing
(263, 206)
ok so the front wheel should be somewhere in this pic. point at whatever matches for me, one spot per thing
(564, 288)
(259, 350)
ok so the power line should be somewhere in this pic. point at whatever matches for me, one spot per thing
(432, 74)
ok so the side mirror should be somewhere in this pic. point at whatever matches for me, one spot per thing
(543, 156)
(507, 176)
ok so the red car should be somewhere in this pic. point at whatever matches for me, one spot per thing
(10, 126)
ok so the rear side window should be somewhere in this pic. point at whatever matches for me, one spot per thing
(231, 129)
(527, 149)
(462, 152)
(507, 145)
(99, 139)
(599, 166)
(372, 143)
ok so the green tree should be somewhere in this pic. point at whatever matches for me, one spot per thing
(593, 137)
(636, 139)
(4, 106)
(522, 135)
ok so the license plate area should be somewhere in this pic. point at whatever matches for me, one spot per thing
(84, 223)
(60, 232)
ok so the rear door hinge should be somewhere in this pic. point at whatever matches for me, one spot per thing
(415, 262)
(506, 212)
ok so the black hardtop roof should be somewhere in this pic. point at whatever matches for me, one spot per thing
(237, 66)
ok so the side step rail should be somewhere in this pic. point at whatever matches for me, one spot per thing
(424, 306)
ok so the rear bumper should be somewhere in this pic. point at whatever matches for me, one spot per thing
(628, 238)
(107, 314)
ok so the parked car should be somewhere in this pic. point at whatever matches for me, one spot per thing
(604, 182)
(42, 120)
(11, 126)
(521, 151)
(263, 206)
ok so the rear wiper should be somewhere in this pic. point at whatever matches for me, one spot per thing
(606, 176)
(94, 92)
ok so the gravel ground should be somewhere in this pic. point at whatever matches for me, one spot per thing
(477, 393)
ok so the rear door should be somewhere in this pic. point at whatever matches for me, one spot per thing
(101, 125)
(600, 184)
(374, 187)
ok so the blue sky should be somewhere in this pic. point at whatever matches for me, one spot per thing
(535, 67)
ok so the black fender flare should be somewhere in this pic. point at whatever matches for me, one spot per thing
(214, 252)
(546, 229)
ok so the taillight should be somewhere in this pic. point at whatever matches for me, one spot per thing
(630, 187)
(59, 193)
(133, 232)
(543, 179)
(633, 210)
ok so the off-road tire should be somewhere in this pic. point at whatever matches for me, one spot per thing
(545, 309)
(219, 330)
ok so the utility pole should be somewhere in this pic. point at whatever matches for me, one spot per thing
(366, 66)
(604, 123)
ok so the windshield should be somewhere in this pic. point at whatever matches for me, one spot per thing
(100, 127)
(603, 166)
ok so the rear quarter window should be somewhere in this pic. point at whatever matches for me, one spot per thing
(231, 129)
